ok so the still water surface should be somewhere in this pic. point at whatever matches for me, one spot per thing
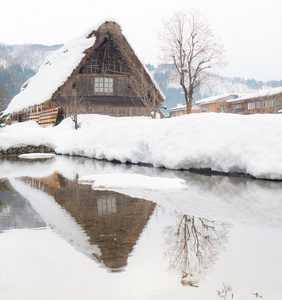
(220, 239)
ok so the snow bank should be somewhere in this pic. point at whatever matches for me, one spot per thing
(221, 142)
(133, 181)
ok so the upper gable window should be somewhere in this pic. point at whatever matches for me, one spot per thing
(104, 86)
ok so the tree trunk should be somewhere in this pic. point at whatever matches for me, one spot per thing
(75, 121)
(189, 100)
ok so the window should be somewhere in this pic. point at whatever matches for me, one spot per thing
(251, 105)
(270, 103)
(204, 109)
(259, 104)
(104, 86)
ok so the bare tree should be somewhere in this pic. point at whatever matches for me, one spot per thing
(146, 94)
(189, 44)
(72, 102)
(74, 110)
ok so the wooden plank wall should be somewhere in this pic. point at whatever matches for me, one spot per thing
(44, 117)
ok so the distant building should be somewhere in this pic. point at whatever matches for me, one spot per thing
(263, 101)
(260, 102)
(211, 104)
(216, 103)
(97, 73)
(180, 110)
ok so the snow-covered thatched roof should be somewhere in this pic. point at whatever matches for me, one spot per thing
(180, 107)
(258, 94)
(217, 98)
(53, 73)
(60, 65)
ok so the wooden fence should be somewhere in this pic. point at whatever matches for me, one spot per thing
(45, 117)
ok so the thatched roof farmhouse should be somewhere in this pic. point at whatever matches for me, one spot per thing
(97, 72)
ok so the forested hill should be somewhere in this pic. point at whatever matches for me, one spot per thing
(29, 56)
(11, 80)
(19, 62)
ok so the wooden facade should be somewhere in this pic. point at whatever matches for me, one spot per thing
(109, 80)
(180, 110)
(211, 104)
(263, 104)
(45, 114)
(269, 102)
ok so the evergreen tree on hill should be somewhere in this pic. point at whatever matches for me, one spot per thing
(11, 80)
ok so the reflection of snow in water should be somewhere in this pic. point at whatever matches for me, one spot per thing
(56, 217)
(214, 197)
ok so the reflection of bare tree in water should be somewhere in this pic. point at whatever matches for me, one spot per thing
(192, 246)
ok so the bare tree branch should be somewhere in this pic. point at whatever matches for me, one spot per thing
(189, 44)
(145, 92)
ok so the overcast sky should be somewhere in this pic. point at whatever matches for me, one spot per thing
(250, 30)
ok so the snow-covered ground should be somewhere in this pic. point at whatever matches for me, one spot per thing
(221, 142)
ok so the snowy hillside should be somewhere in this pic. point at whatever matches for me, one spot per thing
(17, 64)
(28, 55)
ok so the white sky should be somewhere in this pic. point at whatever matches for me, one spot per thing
(250, 30)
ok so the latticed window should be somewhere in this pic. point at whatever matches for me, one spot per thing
(251, 105)
(104, 86)
(259, 104)
(269, 103)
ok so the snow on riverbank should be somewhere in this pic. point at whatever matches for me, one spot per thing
(223, 142)
(37, 155)
(133, 181)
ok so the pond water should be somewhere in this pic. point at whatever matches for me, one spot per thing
(219, 239)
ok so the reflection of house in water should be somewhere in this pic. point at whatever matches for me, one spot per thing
(112, 221)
